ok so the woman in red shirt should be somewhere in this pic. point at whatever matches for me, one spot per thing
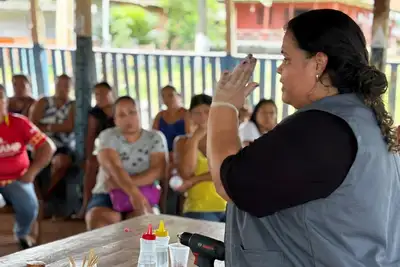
(16, 172)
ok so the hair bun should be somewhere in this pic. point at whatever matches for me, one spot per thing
(373, 82)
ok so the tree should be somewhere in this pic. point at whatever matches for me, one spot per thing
(131, 24)
(182, 17)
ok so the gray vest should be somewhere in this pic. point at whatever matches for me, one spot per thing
(358, 225)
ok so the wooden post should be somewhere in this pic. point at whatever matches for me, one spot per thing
(84, 72)
(36, 25)
(228, 23)
(228, 62)
(38, 36)
(380, 33)
(64, 24)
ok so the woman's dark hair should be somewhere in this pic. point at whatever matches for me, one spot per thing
(103, 84)
(22, 76)
(339, 37)
(168, 87)
(64, 76)
(261, 103)
(123, 98)
(201, 99)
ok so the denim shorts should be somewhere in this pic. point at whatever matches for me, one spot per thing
(100, 200)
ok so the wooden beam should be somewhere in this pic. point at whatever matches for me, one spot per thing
(38, 30)
(229, 8)
(380, 33)
(64, 24)
(84, 18)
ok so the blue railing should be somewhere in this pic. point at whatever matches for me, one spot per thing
(141, 74)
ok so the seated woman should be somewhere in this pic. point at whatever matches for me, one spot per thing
(202, 200)
(172, 122)
(17, 174)
(131, 161)
(22, 101)
(263, 119)
(56, 117)
(100, 118)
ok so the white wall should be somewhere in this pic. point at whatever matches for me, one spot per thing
(17, 24)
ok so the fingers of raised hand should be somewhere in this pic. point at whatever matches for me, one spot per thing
(245, 76)
(224, 78)
(240, 76)
(243, 72)
(249, 88)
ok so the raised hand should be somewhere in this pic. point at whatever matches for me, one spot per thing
(199, 133)
(233, 87)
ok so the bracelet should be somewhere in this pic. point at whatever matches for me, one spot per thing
(225, 104)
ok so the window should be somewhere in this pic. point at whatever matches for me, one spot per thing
(286, 15)
(260, 15)
(270, 17)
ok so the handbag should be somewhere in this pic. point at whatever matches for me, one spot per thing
(121, 201)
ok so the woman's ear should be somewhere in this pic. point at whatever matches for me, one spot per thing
(322, 61)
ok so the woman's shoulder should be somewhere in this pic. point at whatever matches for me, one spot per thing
(160, 114)
(153, 135)
(95, 111)
(313, 123)
(30, 99)
(108, 133)
(308, 116)
(247, 125)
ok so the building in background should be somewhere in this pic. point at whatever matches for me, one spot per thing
(15, 21)
(260, 23)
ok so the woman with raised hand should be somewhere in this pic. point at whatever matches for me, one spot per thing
(202, 201)
(323, 187)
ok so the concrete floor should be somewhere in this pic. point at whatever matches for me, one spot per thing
(52, 231)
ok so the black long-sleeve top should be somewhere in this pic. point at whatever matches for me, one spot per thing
(306, 157)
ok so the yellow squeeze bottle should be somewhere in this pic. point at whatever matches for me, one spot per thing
(162, 241)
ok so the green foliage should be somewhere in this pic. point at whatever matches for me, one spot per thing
(131, 24)
(180, 29)
(216, 25)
